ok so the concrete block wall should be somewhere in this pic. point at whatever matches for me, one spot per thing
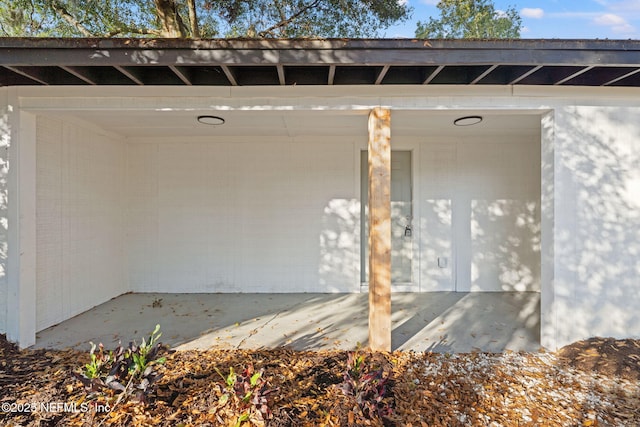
(80, 219)
(242, 216)
(480, 210)
(499, 200)
(592, 232)
(4, 170)
(437, 179)
(597, 223)
(248, 216)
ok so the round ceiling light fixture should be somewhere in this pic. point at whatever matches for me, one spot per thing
(211, 120)
(467, 120)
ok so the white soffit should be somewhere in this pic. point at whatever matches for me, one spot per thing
(406, 123)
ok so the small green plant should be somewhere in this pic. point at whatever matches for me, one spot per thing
(92, 369)
(354, 363)
(248, 393)
(368, 388)
(99, 365)
(131, 370)
(145, 354)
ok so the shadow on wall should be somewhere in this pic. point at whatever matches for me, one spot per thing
(340, 246)
(597, 239)
(436, 240)
(512, 229)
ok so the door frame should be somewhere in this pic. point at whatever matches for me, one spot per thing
(398, 144)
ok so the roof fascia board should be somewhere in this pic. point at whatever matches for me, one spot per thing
(141, 52)
(343, 43)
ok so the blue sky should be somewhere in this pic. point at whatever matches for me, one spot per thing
(564, 19)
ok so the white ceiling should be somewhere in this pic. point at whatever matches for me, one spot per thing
(155, 124)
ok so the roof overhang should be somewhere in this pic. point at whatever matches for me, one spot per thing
(241, 62)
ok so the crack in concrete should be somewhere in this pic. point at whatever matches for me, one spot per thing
(255, 331)
(284, 310)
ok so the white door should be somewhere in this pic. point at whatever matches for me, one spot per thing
(402, 232)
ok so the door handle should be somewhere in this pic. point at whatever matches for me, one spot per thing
(407, 226)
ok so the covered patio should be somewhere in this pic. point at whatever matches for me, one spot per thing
(497, 219)
(445, 322)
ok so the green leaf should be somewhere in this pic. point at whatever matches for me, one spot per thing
(155, 335)
(223, 399)
(250, 18)
(231, 379)
(242, 418)
(254, 378)
(477, 19)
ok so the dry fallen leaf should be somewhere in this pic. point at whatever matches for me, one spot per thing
(428, 389)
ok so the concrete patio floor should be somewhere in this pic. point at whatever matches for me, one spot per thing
(440, 321)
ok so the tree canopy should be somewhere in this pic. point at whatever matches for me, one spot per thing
(471, 19)
(199, 18)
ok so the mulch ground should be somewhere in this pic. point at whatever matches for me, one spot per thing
(589, 383)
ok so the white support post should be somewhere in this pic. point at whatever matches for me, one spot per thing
(548, 323)
(21, 263)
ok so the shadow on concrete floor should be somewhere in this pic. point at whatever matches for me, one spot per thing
(438, 321)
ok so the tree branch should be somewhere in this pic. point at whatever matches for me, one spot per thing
(193, 19)
(287, 21)
(142, 31)
(170, 19)
(283, 17)
(62, 11)
(278, 6)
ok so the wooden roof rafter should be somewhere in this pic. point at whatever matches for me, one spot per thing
(242, 62)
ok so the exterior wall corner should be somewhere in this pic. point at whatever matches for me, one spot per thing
(19, 137)
(547, 219)
(5, 137)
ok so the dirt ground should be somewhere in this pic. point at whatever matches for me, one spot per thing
(589, 383)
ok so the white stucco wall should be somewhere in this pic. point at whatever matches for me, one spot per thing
(247, 215)
(80, 219)
(597, 222)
